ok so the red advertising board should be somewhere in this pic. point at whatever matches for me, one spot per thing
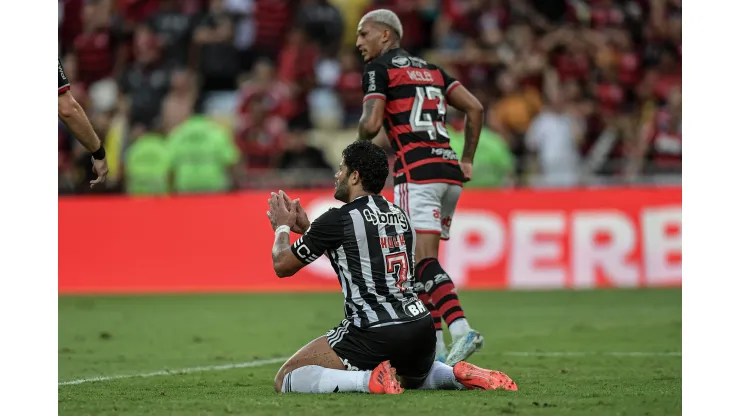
(520, 239)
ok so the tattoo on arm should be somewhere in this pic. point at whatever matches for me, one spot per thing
(367, 111)
(471, 139)
(282, 243)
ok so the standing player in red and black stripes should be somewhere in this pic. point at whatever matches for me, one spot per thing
(409, 96)
(74, 117)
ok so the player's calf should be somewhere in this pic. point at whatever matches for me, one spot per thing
(443, 295)
(317, 353)
(316, 368)
(441, 349)
(316, 379)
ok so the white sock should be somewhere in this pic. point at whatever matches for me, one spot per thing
(441, 341)
(316, 379)
(441, 377)
(459, 328)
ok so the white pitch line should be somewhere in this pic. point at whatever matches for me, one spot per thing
(256, 363)
(259, 363)
(586, 354)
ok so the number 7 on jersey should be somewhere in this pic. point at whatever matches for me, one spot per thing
(397, 265)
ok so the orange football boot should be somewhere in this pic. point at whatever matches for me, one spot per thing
(476, 378)
(383, 380)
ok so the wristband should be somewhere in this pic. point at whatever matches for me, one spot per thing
(282, 229)
(100, 153)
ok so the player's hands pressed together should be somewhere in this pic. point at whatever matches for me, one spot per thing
(100, 168)
(280, 213)
(301, 222)
(467, 170)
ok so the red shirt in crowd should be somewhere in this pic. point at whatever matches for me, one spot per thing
(296, 67)
(96, 54)
(346, 86)
(611, 97)
(665, 140)
(572, 66)
(275, 95)
(71, 22)
(261, 141)
(628, 67)
(273, 18)
(137, 11)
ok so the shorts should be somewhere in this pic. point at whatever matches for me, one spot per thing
(410, 347)
(430, 206)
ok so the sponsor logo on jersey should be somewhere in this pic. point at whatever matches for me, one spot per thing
(400, 61)
(414, 307)
(417, 62)
(447, 154)
(441, 278)
(386, 218)
(371, 81)
(61, 71)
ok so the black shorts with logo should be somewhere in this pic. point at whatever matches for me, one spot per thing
(410, 346)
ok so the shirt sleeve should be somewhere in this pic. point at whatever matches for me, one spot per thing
(374, 81)
(325, 233)
(450, 82)
(63, 81)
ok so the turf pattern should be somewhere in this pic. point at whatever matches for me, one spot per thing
(563, 348)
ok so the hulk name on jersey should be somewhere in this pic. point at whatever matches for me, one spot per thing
(370, 244)
(415, 93)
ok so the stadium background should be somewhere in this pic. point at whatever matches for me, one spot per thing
(577, 177)
(577, 186)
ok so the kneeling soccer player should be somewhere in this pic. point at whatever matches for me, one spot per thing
(387, 332)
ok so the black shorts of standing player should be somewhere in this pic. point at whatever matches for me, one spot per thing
(410, 346)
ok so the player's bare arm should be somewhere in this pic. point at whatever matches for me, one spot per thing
(282, 218)
(371, 120)
(74, 117)
(463, 100)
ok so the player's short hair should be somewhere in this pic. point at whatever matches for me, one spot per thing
(387, 18)
(370, 161)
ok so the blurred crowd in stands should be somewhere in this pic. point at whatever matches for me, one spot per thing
(218, 95)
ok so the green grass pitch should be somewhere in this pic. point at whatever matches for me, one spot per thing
(571, 353)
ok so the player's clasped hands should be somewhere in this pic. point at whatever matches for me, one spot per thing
(284, 211)
(302, 222)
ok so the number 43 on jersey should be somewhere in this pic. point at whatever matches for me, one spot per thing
(432, 124)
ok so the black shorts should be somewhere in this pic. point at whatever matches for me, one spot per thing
(409, 346)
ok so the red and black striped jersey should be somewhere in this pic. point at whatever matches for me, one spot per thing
(415, 95)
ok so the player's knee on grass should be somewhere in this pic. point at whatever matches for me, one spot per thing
(286, 368)
(279, 377)
(317, 352)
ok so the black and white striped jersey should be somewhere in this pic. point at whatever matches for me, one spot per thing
(370, 243)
